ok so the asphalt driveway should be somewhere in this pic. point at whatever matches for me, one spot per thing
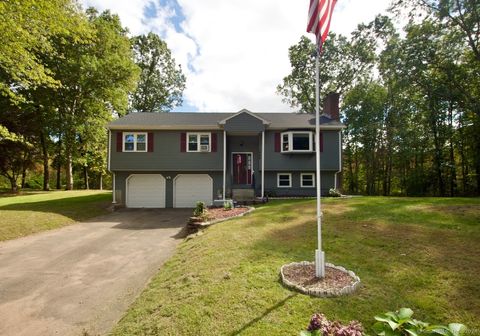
(83, 277)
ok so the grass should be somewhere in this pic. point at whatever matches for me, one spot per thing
(420, 253)
(39, 211)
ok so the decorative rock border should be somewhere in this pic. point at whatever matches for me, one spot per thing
(197, 227)
(215, 221)
(330, 292)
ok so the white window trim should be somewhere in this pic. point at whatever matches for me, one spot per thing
(307, 174)
(289, 180)
(199, 134)
(135, 134)
(290, 142)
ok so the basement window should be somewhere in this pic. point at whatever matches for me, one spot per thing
(284, 180)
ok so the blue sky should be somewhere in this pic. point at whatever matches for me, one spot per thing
(234, 53)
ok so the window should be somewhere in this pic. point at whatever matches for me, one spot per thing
(284, 180)
(134, 142)
(198, 142)
(297, 142)
(307, 180)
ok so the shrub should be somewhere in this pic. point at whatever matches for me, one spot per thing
(401, 323)
(320, 326)
(334, 193)
(199, 209)
(227, 206)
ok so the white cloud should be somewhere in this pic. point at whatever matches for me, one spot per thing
(238, 50)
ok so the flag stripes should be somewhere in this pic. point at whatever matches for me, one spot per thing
(319, 17)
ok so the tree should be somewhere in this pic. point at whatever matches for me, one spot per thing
(27, 27)
(463, 15)
(411, 102)
(344, 62)
(161, 82)
(17, 152)
(97, 74)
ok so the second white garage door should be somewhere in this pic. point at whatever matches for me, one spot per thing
(188, 189)
(146, 191)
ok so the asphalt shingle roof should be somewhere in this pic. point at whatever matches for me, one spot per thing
(192, 120)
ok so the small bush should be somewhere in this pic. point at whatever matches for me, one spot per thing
(199, 209)
(320, 326)
(334, 193)
(227, 206)
(399, 323)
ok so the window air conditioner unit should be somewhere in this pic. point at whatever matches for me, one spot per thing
(204, 148)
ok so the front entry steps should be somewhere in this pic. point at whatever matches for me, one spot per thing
(243, 195)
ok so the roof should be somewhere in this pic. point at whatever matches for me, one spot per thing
(213, 120)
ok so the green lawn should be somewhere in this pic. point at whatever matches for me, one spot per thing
(26, 214)
(421, 253)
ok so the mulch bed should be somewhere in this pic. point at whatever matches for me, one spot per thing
(221, 213)
(304, 275)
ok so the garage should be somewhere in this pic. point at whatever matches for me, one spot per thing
(188, 189)
(145, 191)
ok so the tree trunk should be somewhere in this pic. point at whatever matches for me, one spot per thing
(46, 166)
(85, 177)
(24, 176)
(13, 184)
(69, 172)
(101, 181)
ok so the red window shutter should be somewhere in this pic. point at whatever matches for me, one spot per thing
(119, 142)
(214, 141)
(321, 142)
(150, 142)
(277, 142)
(183, 142)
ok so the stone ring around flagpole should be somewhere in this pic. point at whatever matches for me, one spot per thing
(300, 276)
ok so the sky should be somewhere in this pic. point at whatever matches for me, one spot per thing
(234, 53)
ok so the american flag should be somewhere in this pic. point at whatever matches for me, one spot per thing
(319, 17)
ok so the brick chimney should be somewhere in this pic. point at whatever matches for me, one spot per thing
(330, 106)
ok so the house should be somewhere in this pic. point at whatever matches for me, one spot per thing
(176, 159)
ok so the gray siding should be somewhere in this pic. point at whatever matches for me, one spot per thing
(121, 177)
(329, 158)
(244, 122)
(271, 189)
(166, 155)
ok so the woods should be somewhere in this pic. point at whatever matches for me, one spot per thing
(64, 74)
(410, 98)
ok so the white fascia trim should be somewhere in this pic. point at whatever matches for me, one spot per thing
(194, 128)
(265, 122)
(170, 170)
(307, 127)
(191, 128)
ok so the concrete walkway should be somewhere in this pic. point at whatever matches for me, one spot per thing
(83, 277)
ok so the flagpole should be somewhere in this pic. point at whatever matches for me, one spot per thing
(319, 254)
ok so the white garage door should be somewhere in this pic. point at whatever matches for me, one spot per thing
(191, 188)
(146, 191)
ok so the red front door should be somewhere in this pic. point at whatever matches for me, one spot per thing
(242, 168)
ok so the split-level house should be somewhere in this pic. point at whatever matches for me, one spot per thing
(176, 159)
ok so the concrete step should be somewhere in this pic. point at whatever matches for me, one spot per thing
(243, 194)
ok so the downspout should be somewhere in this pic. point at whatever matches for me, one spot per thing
(224, 162)
(339, 157)
(109, 158)
(263, 164)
